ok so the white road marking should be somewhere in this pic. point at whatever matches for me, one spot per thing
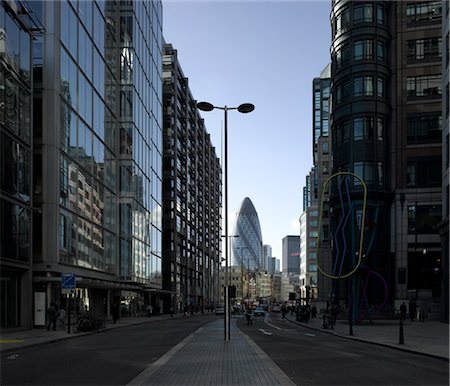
(310, 334)
(272, 325)
(265, 332)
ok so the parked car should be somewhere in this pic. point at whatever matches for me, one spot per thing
(259, 311)
(220, 310)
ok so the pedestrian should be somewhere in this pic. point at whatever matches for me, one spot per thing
(149, 310)
(61, 318)
(51, 315)
(412, 310)
(283, 311)
(248, 315)
(403, 312)
(115, 312)
(313, 311)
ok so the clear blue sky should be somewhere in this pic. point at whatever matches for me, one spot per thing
(266, 53)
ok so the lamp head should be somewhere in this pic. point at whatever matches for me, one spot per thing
(205, 106)
(246, 108)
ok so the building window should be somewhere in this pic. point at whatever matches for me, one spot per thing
(424, 128)
(424, 49)
(380, 171)
(362, 128)
(424, 86)
(342, 55)
(342, 91)
(362, 49)
(381, 48)
(424, 172)
(381, 17)
(325, 148)
(364, 170)
(381, 87)
(362, 13)
(312, 267)
(424, 12)
(342, 21)
(363, 86)
(424, 219)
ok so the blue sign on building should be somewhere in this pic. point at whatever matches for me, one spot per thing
(68, 281)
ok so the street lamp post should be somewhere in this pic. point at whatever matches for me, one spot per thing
(243, 108)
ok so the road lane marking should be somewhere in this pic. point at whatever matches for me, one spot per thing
(272, 325)
(143, 377)
(11, 340)
(310, 334)
(265, 332)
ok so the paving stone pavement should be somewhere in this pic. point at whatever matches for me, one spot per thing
(204, 358)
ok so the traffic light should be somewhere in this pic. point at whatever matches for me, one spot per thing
(291, 295)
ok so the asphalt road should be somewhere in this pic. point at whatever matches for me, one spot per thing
(112, 357)
(311, 357)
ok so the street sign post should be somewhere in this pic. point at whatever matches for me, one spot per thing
(68, 285)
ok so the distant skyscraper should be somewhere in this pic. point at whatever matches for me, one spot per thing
(267, 254)
(291, 255)
(247, 248)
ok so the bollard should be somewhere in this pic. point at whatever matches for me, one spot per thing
(401, 337)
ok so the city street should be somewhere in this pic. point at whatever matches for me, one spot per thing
(310, 357)
(113, 357)
(143, 354)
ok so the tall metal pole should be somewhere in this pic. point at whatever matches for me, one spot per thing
(227, 297)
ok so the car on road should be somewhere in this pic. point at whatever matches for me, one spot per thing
(259, 311)
(276, 308)
(220, 310)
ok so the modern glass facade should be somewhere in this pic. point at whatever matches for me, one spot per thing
(246, 249)
(16, 146)
(98, 153)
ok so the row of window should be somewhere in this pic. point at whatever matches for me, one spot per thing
(358, 14)
(361, 86)
(424, 218)
(424, 12)
(424, 172)
(424, 128)
(360, 128)
(424, 86)
(421, 50)
(364, 49)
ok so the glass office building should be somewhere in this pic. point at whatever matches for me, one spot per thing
(98, 154)
(18, 25)
(246, 250)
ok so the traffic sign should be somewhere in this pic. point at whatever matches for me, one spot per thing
(68, 282)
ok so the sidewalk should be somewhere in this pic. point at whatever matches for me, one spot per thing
(427, 338)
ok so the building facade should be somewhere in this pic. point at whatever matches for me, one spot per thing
(18, 25)
(97, 186)
(386, 122)
(192, 196)
(291, 255)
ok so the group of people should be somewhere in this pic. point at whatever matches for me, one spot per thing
(412, 311)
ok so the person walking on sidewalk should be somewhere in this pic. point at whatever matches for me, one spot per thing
(115, 312)
(51, 315)
(403, 312)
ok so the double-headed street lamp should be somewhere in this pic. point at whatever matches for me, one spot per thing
(243, 108)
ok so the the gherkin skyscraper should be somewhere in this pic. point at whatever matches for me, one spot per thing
(246, 249)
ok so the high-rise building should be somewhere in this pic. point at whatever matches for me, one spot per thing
(266, 255)
(97, 186)
(18, 25)
(291, 255)
(386, 123)
(246, 247)
(191, 194)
